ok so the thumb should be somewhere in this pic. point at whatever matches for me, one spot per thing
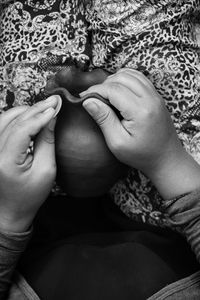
(107, 120)
(44, 152)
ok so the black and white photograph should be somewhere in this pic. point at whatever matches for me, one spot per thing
(99, 149)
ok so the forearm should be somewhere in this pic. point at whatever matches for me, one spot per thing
(178, 179)
(178, 174)
(12, 245)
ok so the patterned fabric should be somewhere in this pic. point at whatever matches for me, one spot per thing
(156, 37)
(36, 39)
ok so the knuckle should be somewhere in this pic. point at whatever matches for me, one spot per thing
(118, 77)
(17, 125)
(122, 76)
(38, 118)
(36, 114)
(103, 117)
(36, 106)
(115, 88)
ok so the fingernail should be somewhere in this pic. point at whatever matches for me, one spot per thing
(52, 98)
(48, 110)
(58, 106)
(51, 125)
(83, 93)
(91, 106)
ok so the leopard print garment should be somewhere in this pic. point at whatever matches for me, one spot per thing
(36, 39)
(153, 36)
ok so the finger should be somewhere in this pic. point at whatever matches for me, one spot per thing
(44, 151)
(21, 134)
(107, 120)
(122, 79)
(129, 126)
(140, 75)
(41, 106)
(133, 80)
(119, 96)
(7, 117)
(53, 101)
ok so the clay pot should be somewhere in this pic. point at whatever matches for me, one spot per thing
(86, 167)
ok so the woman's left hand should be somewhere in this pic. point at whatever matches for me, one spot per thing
(26, 178)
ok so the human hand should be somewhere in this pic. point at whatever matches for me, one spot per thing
(145, 133)
(145, 137)
(26, 178)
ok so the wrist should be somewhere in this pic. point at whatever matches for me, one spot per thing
(177, 173)
(15, 224)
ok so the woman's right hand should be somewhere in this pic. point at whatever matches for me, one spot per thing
(26, 178)
(145, 137)
(145, 132)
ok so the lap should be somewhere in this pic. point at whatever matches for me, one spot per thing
(93, 251)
